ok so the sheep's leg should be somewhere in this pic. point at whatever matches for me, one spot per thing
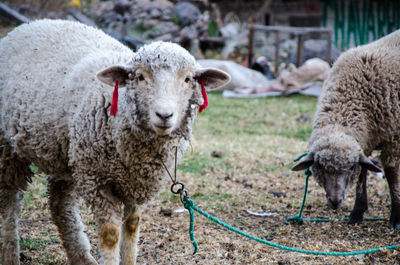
(361, 204)
(392, 176)
(130, 237)
(10, 206)
(108, 213)
(65, 214)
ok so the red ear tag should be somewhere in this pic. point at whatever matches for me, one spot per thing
(204, 93)
(114, 102)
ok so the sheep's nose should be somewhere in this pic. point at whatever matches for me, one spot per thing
(164, 116)
(335, 203)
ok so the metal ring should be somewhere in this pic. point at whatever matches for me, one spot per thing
(178, 191)
(184, 195)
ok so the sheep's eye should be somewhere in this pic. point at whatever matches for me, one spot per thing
(141, 77)
(187, 79)
(353, 167)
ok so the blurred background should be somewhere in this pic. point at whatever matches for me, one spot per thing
(273, 37)
(278, 53)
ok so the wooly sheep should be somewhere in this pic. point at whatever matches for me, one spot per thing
(358, 112)
(56, 88)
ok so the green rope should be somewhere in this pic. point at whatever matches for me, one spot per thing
(298, 218)
(300, 157)
(189, 204)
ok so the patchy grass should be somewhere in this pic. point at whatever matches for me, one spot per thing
(36, 243)
(255, 141)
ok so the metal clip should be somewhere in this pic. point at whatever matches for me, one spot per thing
(178, 191)
(183, 195)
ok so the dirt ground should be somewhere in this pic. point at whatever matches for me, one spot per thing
(164, 231)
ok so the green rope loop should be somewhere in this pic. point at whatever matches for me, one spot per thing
(300, 157)
(190, 206)
(298, 218)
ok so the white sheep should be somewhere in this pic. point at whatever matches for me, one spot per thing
(358, 112)
(55, 113)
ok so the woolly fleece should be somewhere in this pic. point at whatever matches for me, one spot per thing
(54, 113)
(358, 112)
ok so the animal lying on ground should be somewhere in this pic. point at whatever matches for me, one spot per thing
(358, 112)
(56, 86)
(313, 70)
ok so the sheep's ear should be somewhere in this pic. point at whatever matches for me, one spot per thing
(368, 164)
(306, 162)
(113, 73)
(213, 78)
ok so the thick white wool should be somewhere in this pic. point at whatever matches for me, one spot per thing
(54, 113)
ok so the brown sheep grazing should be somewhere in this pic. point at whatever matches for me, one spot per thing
(357, 113)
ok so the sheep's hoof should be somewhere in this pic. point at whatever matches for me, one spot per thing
(356, 217)
(394, 220)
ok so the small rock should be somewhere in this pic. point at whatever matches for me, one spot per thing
(217, 154)
(248, 186)
(187, 13)
(303, 118)
(278, 193)
(164, 27)
(155, 13)
(122, 6)
(227, 177)
(180, 210)
(24, 257)
(241, 180)
(166, 212)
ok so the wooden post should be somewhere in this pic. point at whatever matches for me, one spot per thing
(10, 13)
(300, 48)
(329, 48)
(250, 42)
(277, 44)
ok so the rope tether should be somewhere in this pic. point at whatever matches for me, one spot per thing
(190, 206)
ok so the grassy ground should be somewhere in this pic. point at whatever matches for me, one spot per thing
(255, 141)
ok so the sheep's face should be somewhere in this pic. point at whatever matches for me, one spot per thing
(167, 93)
(163, 82)
(335, 175)
(166, 96)
(335, 164)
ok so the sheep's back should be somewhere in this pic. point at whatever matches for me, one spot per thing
(46, 68)
(362, 92)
